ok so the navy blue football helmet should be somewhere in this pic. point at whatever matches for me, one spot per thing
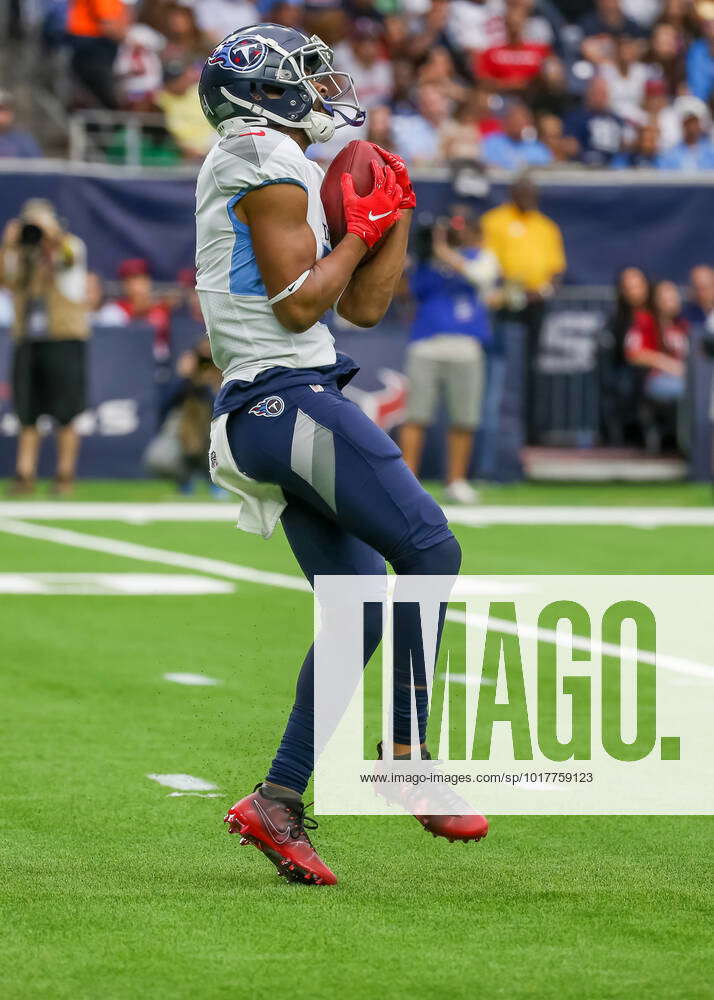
(269, 73)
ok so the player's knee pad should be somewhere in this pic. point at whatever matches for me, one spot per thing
(442, 559)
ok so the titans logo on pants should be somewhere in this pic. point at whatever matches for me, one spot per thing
(271, 406)
(242, 56)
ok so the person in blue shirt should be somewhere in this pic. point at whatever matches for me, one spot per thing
(449, 335)
(695, 152)
(599, 132)
(645, 152)
(13, 141)
(516, 147)
(700, 63)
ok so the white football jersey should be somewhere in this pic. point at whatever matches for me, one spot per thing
(246, 338)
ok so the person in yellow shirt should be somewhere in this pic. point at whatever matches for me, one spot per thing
(183, 116)
(529, 248)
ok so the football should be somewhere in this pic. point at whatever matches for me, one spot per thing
(354, 159)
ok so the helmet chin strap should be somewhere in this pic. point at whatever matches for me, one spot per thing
(318, 125)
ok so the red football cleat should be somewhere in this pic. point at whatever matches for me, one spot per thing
(460, 823)
(277, 827)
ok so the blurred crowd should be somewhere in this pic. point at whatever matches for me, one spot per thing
(507, 83)
(475, 287)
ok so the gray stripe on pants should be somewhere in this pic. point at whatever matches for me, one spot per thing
(323, 465)
(312, 456)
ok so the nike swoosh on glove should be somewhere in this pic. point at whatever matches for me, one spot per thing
(371, 216)
(401, 172)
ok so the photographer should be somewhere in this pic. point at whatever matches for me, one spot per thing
(44, 268)
(451, 284)
(179, 450)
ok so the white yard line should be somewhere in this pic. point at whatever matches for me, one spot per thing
(478, 516)
(676, 664)
(112, 584)
(217, 567)
(145, 553)
(191, 680)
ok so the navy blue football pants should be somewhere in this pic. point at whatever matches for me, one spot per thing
(351, 503)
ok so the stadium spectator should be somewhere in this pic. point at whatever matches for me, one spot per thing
(363, 56)
(138, 69)
(102, 312)
(475, 25)
(599, 132)
(14, 142)
(529, 249)
(700, 61)
(288, 13)
(418, 136)
(666, 57)
(95, 28)
(183, 116)
(44, 268)
(187, 306)
(549, 92)
(402, 98)
(681, 15)
(438, 69)
(473, 119)
(517, 146)
(550, 132)
(185, 42)
(139, 304)
(513, 65)
(379, 126)
(695, 151)
(218, 18)
(449, 335)
(621, 382)
(657, 110)
(642, 12)
(602, 27)
(430, 31)
(644, 153)
(700, 309)
(626, 78)
(658, 343)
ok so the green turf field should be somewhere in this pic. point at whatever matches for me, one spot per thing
(112, 888)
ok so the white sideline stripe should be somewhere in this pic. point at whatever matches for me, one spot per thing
(476, 516)
(112, 584)
(626, 517)
(216, 566)
(145, 553)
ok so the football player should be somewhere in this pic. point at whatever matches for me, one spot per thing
(284, 438)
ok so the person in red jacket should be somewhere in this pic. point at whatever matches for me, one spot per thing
(511, 67)
(659, 341)
(140, 305)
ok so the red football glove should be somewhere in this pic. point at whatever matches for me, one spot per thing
(401, 173)
(371, 216)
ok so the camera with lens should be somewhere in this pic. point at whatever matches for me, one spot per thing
(30, 235)
(454, 225)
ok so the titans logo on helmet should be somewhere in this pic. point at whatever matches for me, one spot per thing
(242, 56)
